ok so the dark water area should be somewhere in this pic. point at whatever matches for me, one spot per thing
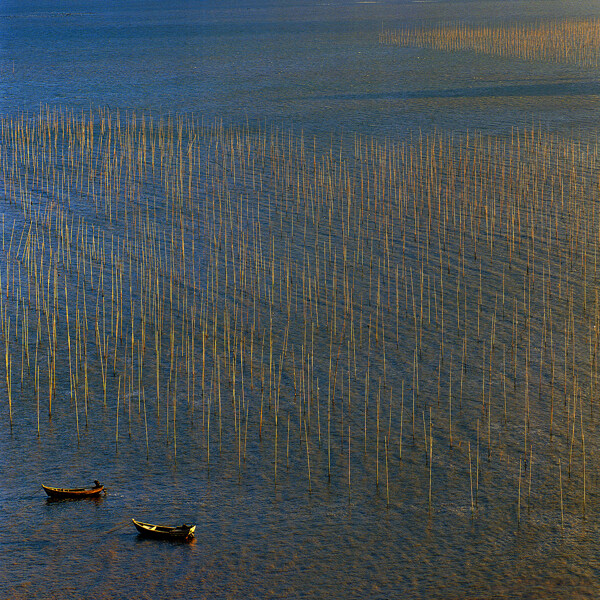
(280, 510)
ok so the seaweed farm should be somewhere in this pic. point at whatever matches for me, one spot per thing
(312, 289)
(574, 41)
(362, 310)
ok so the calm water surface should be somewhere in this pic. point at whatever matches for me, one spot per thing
(315, 67)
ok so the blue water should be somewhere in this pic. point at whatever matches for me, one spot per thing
(315, 67)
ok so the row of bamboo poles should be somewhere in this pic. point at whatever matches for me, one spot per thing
(572, 41)
(342, 310)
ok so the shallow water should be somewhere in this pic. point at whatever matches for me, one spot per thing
(316, 68)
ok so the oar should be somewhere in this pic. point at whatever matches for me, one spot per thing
(118, 526)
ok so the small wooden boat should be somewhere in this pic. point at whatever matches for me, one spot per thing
(60, 493)
(181, 533)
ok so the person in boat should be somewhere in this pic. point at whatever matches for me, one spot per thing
(97, 484)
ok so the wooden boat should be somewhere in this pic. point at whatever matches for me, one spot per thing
(61, 493)
(181, 533)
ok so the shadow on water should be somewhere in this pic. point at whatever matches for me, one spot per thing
(567, 88)
(97, 500)
(149, 541)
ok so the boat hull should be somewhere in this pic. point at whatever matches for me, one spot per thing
(181, 533)
(63, 493)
